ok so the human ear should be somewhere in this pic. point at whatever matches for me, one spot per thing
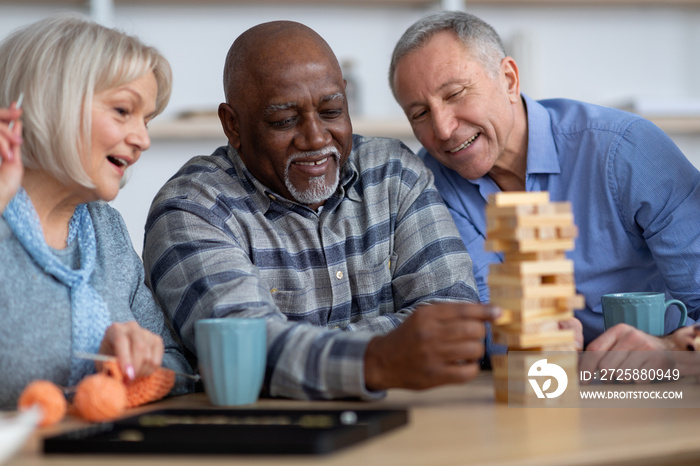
(509, 71)
(229, 122)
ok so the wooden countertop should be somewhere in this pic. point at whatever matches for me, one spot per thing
(460, 425)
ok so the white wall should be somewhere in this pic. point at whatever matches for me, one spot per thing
(605, 55)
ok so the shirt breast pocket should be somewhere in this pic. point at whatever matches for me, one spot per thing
(289, 292)
(372, 286)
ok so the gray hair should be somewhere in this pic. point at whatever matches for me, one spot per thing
(60, 63)
(475, 34)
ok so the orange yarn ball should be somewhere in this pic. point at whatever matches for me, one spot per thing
(48, 396)
(144, 389)
(100, 398)
(150, 388)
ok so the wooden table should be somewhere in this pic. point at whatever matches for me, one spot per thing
(460, 425)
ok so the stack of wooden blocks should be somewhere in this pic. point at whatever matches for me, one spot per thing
(534, 286)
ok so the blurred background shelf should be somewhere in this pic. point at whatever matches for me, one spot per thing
(417, 3)
(231, 2)
(209, 127)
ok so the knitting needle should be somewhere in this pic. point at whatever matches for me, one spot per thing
(19, 105)
(106, 358)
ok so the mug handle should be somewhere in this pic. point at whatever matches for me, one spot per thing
(681, 306)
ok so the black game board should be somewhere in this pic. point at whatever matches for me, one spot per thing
(232, 431)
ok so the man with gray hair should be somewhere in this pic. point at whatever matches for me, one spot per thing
(635, 197)
(341, 242)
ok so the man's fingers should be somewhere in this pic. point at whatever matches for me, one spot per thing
(462, 311)
(464, 351)
(463, 330)
(607, 340)
(596, 350)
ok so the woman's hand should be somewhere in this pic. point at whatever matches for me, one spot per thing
(138, 351)
(10, 158)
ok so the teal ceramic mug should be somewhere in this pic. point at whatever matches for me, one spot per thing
(231, 353)
(643, 310)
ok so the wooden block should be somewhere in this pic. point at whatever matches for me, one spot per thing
(570, 231)
(540, 267)
(504, 213)
(508, 198)
(518, 321)
(540, 326)
(529, 245)
(499, 365)
(558, 347)
(541, 245)
(501, 396)
(557, 219)
(522, 217)
(513, 234)
(525, 341)
(514, 280)
(559, 279)
(571, 302)
(504, 392)
(545, 232)
(519, 311)
(511, 257)
(505, 319)
(529, 281)
(519, 305)
(520, 362)
(559, 212)
(514, 385)
(543, 291)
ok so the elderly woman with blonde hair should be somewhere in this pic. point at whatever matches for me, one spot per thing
(70, 280)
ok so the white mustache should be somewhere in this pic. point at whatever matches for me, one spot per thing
(332, 151)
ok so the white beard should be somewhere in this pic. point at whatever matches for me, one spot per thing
(318, 190)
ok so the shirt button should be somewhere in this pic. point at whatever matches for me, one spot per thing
(339, 275)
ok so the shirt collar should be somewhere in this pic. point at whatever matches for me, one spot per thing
(263, 196)
(542, 154)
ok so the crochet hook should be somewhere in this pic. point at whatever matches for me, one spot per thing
(19, 105)
(106, 358)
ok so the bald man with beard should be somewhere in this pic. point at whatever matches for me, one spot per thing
(340, 241)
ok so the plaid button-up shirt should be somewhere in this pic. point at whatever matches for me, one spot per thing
(221, 244)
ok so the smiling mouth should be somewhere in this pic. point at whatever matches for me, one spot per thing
(121, 163)
(318, 162)
(465, 144)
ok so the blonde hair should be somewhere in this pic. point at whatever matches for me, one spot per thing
(60, 63)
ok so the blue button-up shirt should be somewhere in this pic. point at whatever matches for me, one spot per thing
(634, 195)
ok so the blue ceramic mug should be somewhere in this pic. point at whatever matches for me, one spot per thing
(643, 310)
(232, 353)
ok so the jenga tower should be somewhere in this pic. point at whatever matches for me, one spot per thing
(534, 285)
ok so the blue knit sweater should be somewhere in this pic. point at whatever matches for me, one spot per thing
(35, 309)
